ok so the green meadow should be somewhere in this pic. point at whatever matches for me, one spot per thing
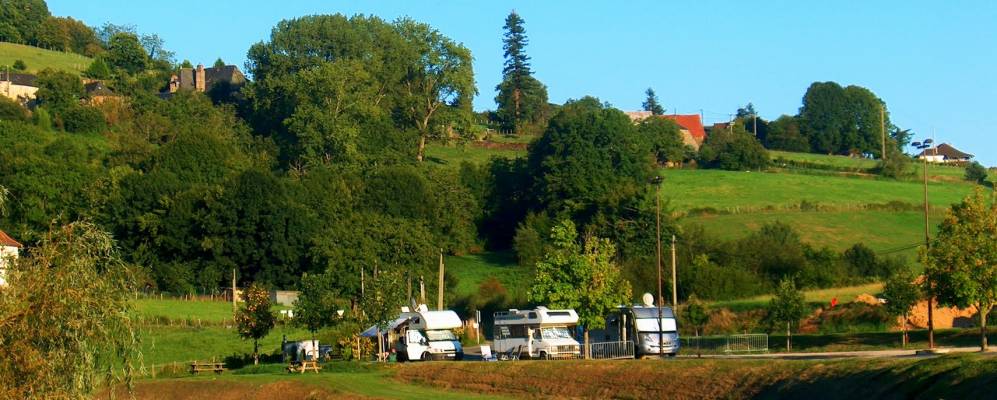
(37, 59)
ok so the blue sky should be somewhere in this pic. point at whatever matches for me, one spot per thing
(934, 63)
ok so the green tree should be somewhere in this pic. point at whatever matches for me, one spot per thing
(784, 134)
(522, 98)
(651, 103)
(962, 259)
(254, 320)
(902, 293)
(736, 150)
(787, 307)
(219, 63)
(440, 75)
(125, 52)
(317, 303)
(155, 48)
(697, 313)
(664, 139)
(59, 90)
(19, 65)
(589, 153)
(896, 165)
(382, 300)
(98, 69)
(581, 277)
(976, 173)
(67, 349)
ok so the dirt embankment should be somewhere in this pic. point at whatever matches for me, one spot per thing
(229, 390)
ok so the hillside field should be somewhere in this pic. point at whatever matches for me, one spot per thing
(38, 59)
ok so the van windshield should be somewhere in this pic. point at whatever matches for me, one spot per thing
(556, 333)
(651, 325)
(436, 336)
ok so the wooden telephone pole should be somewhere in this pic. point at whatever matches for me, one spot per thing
(439, 299)
(235, 308)
(675, 287)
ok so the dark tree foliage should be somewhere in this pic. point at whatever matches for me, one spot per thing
(784, 134)
(98, 69)
(589, 153)
(125, 53)
(736, 150)
(11, 110)
(976, 172)
(59, 90)
(651, 103)
(21, 20)
(19, 65)
(841, 120)
(663, 138)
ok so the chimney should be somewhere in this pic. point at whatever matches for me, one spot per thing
(199, 78)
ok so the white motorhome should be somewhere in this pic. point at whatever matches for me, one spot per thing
(539, 333)
(427, 335)
(640, 325)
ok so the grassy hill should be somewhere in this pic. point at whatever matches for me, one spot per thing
(38, 59)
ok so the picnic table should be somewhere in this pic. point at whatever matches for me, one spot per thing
(302, 366)
(197, 367)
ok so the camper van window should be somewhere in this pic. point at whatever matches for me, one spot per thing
(503, 332)
(558, 313)
(442, 335)
(559, 332)
(533, 315)
(518, 331)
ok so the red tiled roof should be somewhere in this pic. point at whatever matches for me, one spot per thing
(691, 123)
(8, 241)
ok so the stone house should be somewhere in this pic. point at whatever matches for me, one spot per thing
(202, 79)
(18, 87)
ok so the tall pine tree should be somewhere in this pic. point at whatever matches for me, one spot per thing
(521, 98)
(652, 104)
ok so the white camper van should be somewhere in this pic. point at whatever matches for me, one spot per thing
(640, 325)
(539, 333)
(427, 335)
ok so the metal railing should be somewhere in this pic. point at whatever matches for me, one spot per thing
(745, 343)
(610, 350)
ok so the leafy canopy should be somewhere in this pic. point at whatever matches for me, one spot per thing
(582, 277)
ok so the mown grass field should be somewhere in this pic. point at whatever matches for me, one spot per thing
(737, 191)
(824, 296)
(454, 155)
(472, 270)
(38, 59)
(166, 344)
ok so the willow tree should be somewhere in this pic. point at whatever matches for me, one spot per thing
(66, 323)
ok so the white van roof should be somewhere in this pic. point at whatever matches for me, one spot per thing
(540, 316)
(431, 320)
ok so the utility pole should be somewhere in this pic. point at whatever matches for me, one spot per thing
(657, 213)
(439, 299)
(754, 129)
(924, 146)
(675, 286)
(882, 129)
(234, 306)
(361, 282)
(422, 290)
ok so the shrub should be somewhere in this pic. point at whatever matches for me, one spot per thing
(733, 151)
(715, 282)
(11, 110)
(19, 65)
(975, 172)
(43, 119)
(896, 165)
(83, 119)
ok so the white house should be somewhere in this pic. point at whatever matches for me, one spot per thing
(9, 250)
(945, 153)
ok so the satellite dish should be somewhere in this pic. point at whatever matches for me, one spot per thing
(648, 299)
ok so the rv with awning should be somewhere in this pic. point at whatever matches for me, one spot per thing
(425, 335)
(538, 333)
